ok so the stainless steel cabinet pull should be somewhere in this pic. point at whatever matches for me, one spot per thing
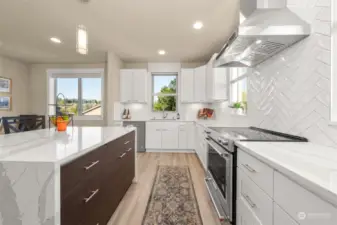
(122, 155)
(93, 193)
(91, 165)
(249, 168)
(127, 142)
(129, 149)
(250, 202)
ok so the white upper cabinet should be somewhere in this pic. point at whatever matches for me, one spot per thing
(133, 85)
(200, 84)
(126, 85)
(217, 82)
(187, 85)
(193, 85)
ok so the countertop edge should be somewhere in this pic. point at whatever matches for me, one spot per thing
(92, 148)
(313, 187)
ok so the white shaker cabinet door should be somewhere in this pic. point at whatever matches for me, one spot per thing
(170, 136)
(281, 217)
(220, 84)
(200, 84)
(126, 86)
(140, 86)
(183, 136)
(153, 135)
(187, 85)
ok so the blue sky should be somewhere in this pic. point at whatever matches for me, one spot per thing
(92, 86)
(69, 87)
(161, 81)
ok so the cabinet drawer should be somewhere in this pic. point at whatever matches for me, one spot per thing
(245, 216)
(302, 205)
(259, 172)
(281, 217)
(257, 200)
(82, 197)
(80, 169)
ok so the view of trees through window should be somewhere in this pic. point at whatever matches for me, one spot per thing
(164, 92)
(87, 102)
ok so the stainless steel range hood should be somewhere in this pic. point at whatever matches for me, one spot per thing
(266, 32)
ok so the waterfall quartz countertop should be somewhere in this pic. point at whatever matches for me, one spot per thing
(48, 145)
(312, 166)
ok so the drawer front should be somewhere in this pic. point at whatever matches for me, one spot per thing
(118, 147)
(80, 169)
(302, 205)
(245, 216)
(259, 172)
(257, 200)
(74, 205)
(281, 217)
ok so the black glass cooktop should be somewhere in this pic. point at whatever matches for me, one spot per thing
(255, 134)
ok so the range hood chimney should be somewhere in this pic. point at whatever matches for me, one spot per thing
(267, 28)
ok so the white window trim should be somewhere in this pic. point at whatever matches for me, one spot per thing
(78, 73)
(231, 82)
(333, 102)
(160, 94)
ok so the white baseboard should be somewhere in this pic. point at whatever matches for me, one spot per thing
(171, 150)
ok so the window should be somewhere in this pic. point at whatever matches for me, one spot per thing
(238, 89)
(81, 95)
(164, 92)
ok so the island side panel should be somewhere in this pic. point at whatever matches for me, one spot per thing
(29, 193)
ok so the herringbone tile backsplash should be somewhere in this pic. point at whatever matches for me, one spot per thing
(291, 91)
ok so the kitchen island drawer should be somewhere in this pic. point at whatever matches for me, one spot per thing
(259, 172)
(80, 198)
(302, 205)
(81, 169)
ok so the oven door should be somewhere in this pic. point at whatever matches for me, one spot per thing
(220, 168)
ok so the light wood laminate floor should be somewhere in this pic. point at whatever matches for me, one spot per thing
(133, 205)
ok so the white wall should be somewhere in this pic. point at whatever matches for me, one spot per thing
(19, 73)
(291, 91)
(38, 89)
(112, 85)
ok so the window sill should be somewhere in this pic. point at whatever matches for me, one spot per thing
(236, 112)
(86, 118)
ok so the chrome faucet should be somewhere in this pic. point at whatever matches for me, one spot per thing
(164, 114)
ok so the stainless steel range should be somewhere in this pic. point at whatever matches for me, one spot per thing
(221, 174)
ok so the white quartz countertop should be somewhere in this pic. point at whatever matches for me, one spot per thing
(312, 166)
(47, 145)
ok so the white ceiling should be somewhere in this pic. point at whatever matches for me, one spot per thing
(134, 29)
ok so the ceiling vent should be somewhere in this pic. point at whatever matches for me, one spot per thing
(84, 1)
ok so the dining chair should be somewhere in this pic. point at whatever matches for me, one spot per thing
(23, 123)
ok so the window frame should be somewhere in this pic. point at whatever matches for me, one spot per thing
(236, 80)
(153, 94)
(79, 74)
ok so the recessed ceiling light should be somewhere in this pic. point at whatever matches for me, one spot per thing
(56, 40)
(161, 52)
(198, 25)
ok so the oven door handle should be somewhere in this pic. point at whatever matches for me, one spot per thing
(224, 155)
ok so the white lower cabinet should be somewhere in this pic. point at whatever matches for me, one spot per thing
(281, 217)
(201, 148)
(260, 204)
(153, 135)
(273, 199)
(245, 216)
(169, 136)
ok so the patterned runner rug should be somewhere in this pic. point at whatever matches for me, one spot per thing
(172, 200)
